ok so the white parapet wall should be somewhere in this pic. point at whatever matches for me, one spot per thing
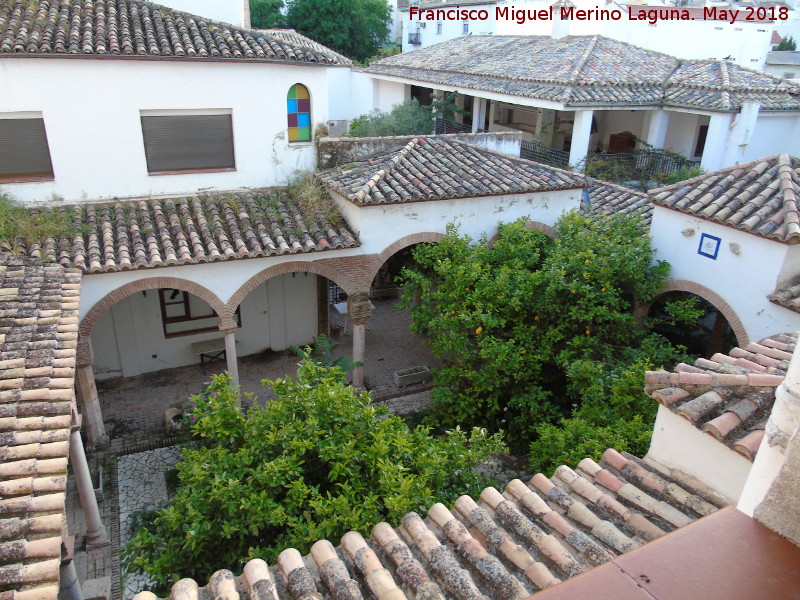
(677, 444)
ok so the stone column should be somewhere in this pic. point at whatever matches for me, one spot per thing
(581, 134)
(656, 134)
(86, 393)
(230, 352)
(95, 530)
(359, 308)
(69, 588)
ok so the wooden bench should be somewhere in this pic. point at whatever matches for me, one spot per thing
(210, 350)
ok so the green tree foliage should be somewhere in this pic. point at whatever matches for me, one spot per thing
(355, 28)
(446, 106)
(788, 43)
(317, 462)
(511, 318)
(266, 14)
(408, 118)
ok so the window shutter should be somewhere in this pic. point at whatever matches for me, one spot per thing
(188, 142)
(23, 149)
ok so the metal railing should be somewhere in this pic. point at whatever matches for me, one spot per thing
(639, 165)
(540, 153)
(445, 126)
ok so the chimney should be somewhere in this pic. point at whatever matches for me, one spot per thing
(561, 25)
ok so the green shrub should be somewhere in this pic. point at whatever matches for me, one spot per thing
(314, 463)
(408, 118)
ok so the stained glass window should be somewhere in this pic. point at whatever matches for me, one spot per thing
(298, 107)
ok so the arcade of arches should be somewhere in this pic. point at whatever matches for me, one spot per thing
(296, 292)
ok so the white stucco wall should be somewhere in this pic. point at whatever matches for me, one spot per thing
(91, 110)
(743, 280)
(221, 278)
(227, 11)
(774, 133)
(682, 132)
(429, 30)
(387, 94)
(677, 444)
(378, 227)
(129, 339)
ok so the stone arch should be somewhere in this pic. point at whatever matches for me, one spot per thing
(149, 283)
(710, 296)
(403, 242)
(537, 225)
(318, 268)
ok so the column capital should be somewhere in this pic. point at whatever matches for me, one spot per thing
(227, 328)
(359, 308)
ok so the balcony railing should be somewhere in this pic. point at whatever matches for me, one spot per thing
(540, 153)
(445, 126)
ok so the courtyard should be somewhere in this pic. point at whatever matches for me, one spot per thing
(130, 472)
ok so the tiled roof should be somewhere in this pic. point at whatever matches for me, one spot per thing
(783, 57)
(436, 168)
(178, 231)
(134, 28)
(607, 199)
(729, 396)
(504, 546)
(38, 338)
(787, 296)
(760, 197)
(434, 4)
(587, 71)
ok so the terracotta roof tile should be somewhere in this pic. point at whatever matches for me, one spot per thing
(503, 546)
(760, 197)
(729, 395)
(38, 302)
(437, 168)
(607, 199)
(133, 28)
(146, 233)
(588, 71)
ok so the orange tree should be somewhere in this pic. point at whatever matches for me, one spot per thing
(512, 318)
(314, 463)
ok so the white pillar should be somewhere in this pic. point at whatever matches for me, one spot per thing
(359, 347)
(716, 140)
(581, 133)
(782, 424)
(95, 530)
(478, 114)
(230, 355)
(741, 130)
(656, 134)
(493, 108)
(86, 391)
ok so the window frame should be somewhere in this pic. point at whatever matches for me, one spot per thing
(227, 161)
(298, 114)
(33, 176)
(183, 298)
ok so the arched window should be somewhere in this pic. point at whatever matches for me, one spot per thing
(298, 107)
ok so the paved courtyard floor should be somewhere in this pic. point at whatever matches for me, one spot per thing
(133, 410)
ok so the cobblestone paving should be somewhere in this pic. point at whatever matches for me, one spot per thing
(133, 409)
(141, 487)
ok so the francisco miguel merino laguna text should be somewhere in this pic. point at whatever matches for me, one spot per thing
(635, 13)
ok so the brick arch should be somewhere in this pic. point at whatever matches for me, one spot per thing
(150, 283)
(402, 243)
(537, 225)
(709, 295)
(325, 269)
